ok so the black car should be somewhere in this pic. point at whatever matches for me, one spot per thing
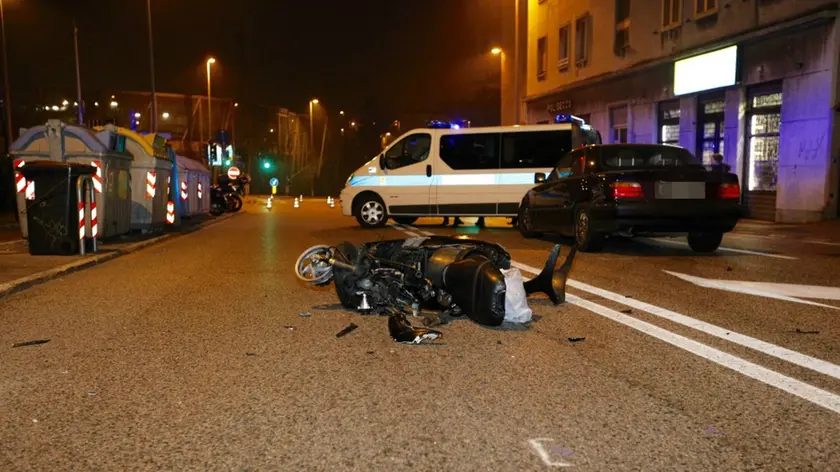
(632, 189)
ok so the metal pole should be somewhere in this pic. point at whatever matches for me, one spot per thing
(152, 66)
(323, 142)
(516, 62)
(7, 101)
(209, 106)
(92, 194)
(311, 127)
(79, 108)
(80, 201)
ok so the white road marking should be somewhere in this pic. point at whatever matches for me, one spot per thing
(801, 389)
(545, 457)
(788, 292)
(825, 243)
(793, 386)
(794, 357)
(400, 228)
(424, 233)
(727, 249)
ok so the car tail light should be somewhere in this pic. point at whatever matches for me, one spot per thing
(729, 191)
(628, 190)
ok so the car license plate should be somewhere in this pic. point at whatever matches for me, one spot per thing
(681, 190)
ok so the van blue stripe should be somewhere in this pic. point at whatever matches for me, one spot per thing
(520, 178)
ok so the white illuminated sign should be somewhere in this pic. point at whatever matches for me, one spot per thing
(706, 71)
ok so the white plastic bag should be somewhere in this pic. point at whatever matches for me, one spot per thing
(516, 300)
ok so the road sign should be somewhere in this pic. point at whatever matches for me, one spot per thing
(233, 172)
(274, 182)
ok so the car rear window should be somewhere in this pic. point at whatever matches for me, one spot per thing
(641, 157)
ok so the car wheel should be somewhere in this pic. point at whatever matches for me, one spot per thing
(370, 211)
(524, 222)
(704, 241)
(586, 239)
(405, 220)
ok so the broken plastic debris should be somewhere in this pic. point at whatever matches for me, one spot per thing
(712, 430)
(91, 394)
(31, 343)
(290, 328)
(576, 340)
(346, 330)
(402, 331)
(305, 314)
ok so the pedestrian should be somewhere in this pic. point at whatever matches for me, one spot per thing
(717, 163)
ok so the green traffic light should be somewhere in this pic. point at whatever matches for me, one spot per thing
(227, 162)
(266, 165)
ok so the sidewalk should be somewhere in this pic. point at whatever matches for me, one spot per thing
(827, 231)
(20, 270)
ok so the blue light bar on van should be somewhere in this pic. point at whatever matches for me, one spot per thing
(565, 118)
(438, 124)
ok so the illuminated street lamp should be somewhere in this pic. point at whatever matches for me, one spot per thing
(497, 51)
(209, 103)
(165, 115)
(312, 103)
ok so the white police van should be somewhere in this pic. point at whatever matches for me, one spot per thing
(444, 170)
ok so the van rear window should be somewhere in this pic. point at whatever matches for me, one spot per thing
(534, 149)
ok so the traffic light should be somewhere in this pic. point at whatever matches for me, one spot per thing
(266, 165)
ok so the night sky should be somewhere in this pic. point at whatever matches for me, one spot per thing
(412, 56)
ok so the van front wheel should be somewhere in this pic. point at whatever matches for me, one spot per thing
(370, 211)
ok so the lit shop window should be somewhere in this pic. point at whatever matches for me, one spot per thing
(765, 125)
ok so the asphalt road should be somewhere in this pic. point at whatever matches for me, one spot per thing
(191, 355)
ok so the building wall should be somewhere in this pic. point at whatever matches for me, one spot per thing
(776, 47)
(649, 40)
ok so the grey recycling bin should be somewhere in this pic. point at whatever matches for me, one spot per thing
(53, 215)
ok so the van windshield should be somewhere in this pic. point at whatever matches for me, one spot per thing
(645, 157)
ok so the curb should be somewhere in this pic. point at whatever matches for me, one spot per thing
(23, 283)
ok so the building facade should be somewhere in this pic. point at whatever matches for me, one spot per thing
(753, 80)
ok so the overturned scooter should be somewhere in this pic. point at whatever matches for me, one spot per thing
(400, 277)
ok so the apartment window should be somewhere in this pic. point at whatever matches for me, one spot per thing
(765, 124)
(671, 13)
(618, 123)
(621, 43)
(582, 26)
(542, 57)
(705, 7)
(669, 122)
(563, 48)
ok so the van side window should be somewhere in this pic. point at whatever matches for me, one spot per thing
(470, 151)
(409, 150)
(534, 149)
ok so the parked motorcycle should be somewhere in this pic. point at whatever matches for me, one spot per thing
(223, 198)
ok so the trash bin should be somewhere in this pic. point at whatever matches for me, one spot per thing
(53, 214)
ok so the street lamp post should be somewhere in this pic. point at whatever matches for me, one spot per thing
(209, 103)
(501, 53)
(152, 66)
(7, 102)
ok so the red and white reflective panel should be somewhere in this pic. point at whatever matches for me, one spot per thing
(97, 178)
(30, 190)
(184, 193)
(199, 190)
(81, 220)
(170, 212)
(94, 227)
(151, 180)
(20, 181)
